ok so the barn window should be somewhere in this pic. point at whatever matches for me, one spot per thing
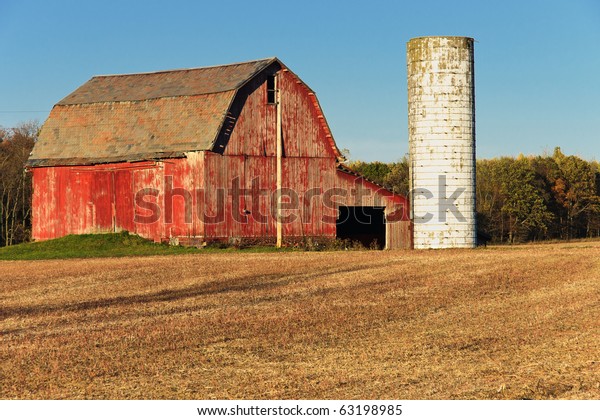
(271, 89)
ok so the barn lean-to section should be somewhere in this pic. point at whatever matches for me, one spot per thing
(190, 156)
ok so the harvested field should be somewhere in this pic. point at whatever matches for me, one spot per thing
(495, 323)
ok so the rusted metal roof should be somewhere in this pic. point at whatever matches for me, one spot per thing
(142, 116)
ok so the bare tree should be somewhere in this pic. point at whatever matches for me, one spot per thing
(15, 183)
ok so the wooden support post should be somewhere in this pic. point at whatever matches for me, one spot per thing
(279, 164)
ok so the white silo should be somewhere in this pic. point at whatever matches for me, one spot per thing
(441, 121)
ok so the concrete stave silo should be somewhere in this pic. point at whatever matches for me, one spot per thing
(441, 103)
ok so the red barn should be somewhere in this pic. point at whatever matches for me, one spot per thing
(203, 155)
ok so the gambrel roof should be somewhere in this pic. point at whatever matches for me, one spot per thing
(145, 116)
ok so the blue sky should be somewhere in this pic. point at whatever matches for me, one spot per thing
(537, 63)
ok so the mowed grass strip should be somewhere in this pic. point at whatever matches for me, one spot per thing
(495, 323)
(89, 246)
(122, 244)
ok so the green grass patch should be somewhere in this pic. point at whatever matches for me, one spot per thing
(121, 244)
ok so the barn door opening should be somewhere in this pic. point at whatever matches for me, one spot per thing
(363, 224)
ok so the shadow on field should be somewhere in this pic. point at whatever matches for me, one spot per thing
(168, 295)
(242, 284)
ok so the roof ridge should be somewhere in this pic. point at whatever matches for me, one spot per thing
(268, 59)
(167, 83)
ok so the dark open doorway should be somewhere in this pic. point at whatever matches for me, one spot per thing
(363, 224)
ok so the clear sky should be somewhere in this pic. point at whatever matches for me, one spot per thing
(537, 63)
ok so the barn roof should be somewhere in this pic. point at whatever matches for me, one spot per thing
(165, 84)
(142, 116)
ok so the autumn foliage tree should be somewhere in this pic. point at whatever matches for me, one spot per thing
(575, 190)
(15, 182)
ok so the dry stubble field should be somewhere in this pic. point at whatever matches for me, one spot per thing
(509, 322)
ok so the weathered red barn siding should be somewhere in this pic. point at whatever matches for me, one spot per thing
(254, 129)
(182, 178)
(227, 197)
(148, 179)
(308, 166)
(303, 124)
(312, 181)
(102, 198)
(68, 201)
(304, 131)
(305, 180)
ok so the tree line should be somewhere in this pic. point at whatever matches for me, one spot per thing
(518, 199)
(15, 182)
(521, 199)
